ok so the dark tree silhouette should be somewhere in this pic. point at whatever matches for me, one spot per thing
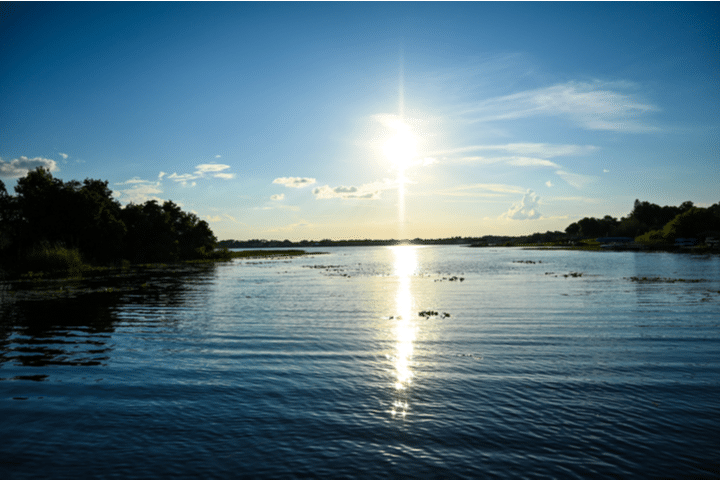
(85, 217)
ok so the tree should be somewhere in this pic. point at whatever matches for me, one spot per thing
(573, 229)
(165, 233)
(8, 219)
(85, 218)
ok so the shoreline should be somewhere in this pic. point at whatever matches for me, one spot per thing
(121, 278)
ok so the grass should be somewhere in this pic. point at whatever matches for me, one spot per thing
(224, 255)
(267, 253)
(54, 260)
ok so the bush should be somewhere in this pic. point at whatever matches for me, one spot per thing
(53, 258)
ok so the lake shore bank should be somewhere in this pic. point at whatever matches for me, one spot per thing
(125, 277)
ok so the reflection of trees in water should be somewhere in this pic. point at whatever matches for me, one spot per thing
(58, 332)
(38, 330)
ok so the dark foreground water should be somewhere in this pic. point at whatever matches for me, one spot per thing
(430, 362)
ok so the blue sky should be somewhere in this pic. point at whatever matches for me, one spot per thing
(368, 120)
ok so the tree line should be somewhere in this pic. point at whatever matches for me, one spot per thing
(84, 218)
(652, 224)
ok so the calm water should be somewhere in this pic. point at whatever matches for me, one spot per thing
(525, 363)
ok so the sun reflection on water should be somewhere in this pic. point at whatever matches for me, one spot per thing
(405, 265)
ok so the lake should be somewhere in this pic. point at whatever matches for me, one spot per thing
(372, 362)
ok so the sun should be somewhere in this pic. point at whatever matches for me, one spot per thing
(401, 147)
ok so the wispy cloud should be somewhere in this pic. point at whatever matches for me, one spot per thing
(185, 179)
(295, 182)
(140, 191)
(277, 197)
(64, 155)
(526, 155)
(526, 209)
(484, 190)
(531, 162)
(592, 105)
(221, 218)
(292, 208)
(542, 150)
(210, 167)
(291, 227)
(368, 191)
(19, 167)
(575, 179)
(132, 181)
(204, 170)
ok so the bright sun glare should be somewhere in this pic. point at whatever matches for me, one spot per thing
(401, 147)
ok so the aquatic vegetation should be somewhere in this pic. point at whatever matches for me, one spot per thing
(267, 253)
(433, 313)
(474, 356)
(566, 275)
(665, 280)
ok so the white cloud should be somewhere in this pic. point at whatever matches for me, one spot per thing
(161, 175)
(224, 176)
(542, 150)
(210, 167)
(526, 209)
(493, 187)
(292, 208)
(132, 181)
(277, 197)
(140, 192)
(218, 156)
(64, 155)
(575, 179)
(221, 218)
(368, 191)
(531, 162)
(215, 170)
(592, 105)
(605, 170)
(547, 150)
(291, 227)
(549, 184)
(481, 160)
(184, 179)
(483, 190)
(295, 182)
(19, 167)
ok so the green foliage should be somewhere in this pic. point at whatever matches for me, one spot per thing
(651, 238)
(652, 224)
(85, 218)
(590, 227)
(54, 259)
(165, 233)
(692, 223)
